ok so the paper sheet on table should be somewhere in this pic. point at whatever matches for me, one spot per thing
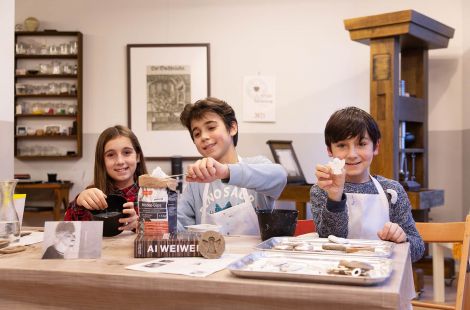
(189, 266)
(34, 237)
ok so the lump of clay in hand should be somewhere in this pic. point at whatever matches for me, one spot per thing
(337, 165)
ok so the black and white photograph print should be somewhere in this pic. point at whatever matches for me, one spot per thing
(162, 79)
(72, 240)
(168, 91)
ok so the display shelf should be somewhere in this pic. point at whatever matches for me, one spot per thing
(57, 57)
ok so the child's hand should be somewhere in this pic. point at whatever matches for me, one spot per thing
(131, 221)
(207, 170)
(92, 199)
(331, 183)
(392, 232)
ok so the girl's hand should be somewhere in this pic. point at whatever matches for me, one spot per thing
(392, 232)
(332, 184)
(207, 170)
(92, 199)
(132, 220)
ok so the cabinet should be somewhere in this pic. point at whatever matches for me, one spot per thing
(399, 44)
(48, 95)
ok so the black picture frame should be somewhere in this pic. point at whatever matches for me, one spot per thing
(284, 154)
(190, 64)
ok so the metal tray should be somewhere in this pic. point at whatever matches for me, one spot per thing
(307, 268)
(381, 248)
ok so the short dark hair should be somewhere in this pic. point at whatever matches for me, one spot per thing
(65, 227)
(351, 122)
(209, 104)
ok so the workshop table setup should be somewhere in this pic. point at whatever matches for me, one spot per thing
(29, 282)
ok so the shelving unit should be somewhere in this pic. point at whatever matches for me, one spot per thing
(48, 95)
(399, 44)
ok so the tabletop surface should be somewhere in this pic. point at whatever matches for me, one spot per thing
(64, 283)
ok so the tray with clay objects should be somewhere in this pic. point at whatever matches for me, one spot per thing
(313, 268)
(330, 246)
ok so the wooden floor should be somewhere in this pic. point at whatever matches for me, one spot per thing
(37, 219)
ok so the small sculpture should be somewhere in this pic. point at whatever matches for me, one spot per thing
(31, 24)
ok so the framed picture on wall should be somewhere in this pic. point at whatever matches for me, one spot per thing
(162, 79)
(284, 154)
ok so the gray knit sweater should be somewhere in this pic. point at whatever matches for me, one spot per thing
(331, 217)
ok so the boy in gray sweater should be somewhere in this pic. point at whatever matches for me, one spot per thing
(224, 189)
(352, 203)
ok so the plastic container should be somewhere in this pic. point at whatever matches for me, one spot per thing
(276, 223)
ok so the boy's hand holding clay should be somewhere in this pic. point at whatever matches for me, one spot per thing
(207, 170)
(331, 178)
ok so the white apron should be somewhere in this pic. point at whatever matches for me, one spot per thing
(239, 219)
(367, 213)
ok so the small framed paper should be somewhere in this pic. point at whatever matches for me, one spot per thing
(283, 154)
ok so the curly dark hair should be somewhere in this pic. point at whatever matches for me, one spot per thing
(197, 110)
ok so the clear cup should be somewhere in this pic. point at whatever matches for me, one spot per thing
(64, 88)
(56, 67)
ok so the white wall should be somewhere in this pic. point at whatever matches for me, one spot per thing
(303, 43)
(7, 24)
(466, 64)
(466, 105)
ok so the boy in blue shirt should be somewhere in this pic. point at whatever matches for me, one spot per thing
(224, 189)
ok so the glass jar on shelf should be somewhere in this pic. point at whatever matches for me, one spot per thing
(32, 50)
(20, 88)
(56, 67)
(73, 90)
(26, 107)
(60, 108)
(64, 49)
(67, 69)
(64, 88)
(53, 50)
(19, 108)
(44, 50)
(20, 48)
(45, 68)
(48, 108)
(71, 108)
(73, 47)
(36, 108)
(37, 89)
(53, 89)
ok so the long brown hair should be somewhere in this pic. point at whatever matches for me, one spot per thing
(101, 177)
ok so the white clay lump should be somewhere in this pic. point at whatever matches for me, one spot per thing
(337, 165)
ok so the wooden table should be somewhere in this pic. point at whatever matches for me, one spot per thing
(27, 282)
(59, 190)
(300, 194)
